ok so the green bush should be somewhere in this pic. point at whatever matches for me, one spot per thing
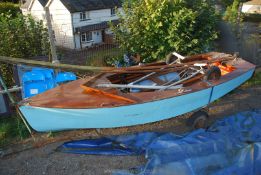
(21, 37)
(231, 13)
(9, 8)
(154, 28)
(227, 2)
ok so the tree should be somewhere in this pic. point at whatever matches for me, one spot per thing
(154, 28)
(231, 13)
(21, 36)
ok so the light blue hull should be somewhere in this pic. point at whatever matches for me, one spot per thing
(53, 119)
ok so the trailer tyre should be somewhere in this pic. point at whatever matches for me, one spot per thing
(213, 73)
(198, 120)
(170, 58)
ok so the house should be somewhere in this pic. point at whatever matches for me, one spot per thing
(35, 8)
(78, 24)
(253, 7)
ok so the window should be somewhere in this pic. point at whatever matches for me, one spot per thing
(53, 35)
(86, 37)
(113, 11)
(84, 16)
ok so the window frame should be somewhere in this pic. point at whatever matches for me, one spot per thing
(87, 37)
(84, 16)
(113, 11)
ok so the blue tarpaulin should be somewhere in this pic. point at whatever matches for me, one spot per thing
(230, 146)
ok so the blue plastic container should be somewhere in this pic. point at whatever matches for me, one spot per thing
(64, 77)
(49, 76)
(33, 83)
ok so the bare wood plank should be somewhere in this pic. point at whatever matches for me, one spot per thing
(11, 60)
(134, 69)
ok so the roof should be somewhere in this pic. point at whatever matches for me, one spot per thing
(25, 4)
(253, 2)
(87, 5)
(43, 2)
(99, 26)
(28, 3)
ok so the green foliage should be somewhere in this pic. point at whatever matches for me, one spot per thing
(6, 72)
(116, 61)
(231, 13)
(21, 36)
(12, 1)
(227, 2)
(154, 28)
(12, 128)
(11, 8)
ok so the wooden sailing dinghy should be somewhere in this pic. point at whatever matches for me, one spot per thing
(137, 95)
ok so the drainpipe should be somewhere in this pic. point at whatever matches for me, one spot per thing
(80, 35)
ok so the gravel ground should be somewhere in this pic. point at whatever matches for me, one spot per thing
(44, 160)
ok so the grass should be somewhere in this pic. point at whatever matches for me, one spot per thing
(101, 57)
(255, 80)
(12, 129)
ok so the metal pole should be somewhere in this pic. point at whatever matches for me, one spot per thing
(6, 90)
(14, 89)
(138, 86)
(21, 116)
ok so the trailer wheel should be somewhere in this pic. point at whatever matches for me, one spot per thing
(170, 58)
(213, 73)
(198, 120)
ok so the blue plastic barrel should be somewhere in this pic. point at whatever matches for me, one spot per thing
(33, 83)
(64, 77)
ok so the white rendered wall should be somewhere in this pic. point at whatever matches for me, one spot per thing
(96, 16)
(246, 8)
(37, 11)
(62, 24)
